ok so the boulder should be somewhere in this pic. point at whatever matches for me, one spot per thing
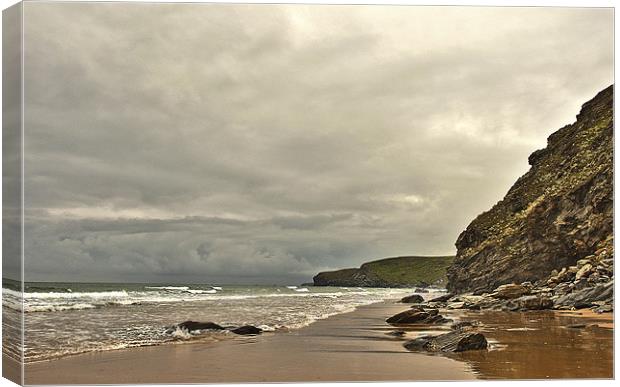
(443, 298)
(247, 330)
(455, 341)
(417, 316)
(510, 291)
(199, 326)
(412, 299)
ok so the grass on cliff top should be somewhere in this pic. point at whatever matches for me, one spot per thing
(431, 270)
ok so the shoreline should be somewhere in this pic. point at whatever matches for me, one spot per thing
(351, 346)
(355, 346)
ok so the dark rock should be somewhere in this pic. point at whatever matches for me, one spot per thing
(585, 298)
(412, 299)
(247, 330)
(462, 325)
(455, 341)
(553, 216)
(443, 298)
(199, 326)
(417, 316)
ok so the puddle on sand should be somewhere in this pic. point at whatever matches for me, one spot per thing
(541, 345)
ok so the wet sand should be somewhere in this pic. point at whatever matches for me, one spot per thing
(355, 347)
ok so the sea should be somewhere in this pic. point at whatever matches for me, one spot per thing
(62, 319)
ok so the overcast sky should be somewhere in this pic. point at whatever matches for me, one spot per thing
(262, 144)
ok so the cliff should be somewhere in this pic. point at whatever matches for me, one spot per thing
(390, 272)
(559, 212)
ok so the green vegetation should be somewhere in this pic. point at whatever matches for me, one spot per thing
(411, 270)
(391, 272)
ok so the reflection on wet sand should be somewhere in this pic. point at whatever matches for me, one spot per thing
(540, 345)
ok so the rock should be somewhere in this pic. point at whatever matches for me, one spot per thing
(413, 299)
(537, 302)
(247, 330)
(417, 316)
(583, 272)
(456, 305)
(509, 291)
(556, 214)
(420, 290)
(455, 341)
(199, 326)
(573, 269)
(443, 298)
(582, 262)
(604, 309)
(463, 325)
(586, 297)
(396, 333)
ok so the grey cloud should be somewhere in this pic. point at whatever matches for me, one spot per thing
(176, 141)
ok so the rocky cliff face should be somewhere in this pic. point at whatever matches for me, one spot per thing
(559, 212)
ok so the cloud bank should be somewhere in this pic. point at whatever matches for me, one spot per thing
(263, 143)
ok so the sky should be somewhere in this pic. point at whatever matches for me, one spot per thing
(262, 144)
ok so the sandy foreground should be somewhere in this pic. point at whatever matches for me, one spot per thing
(355, 347)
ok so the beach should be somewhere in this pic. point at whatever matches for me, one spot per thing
(356, 346)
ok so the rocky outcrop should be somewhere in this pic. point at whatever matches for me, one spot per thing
(396, 272)
(555, 215)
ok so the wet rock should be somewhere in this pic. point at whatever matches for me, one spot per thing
(247, 330)
(199, 326)
(417, 316)
(585, 298)
(456, 305)
(604, 309)
(463, 325)
(443, 298)
(455, 341)
(412, 299)
(509, 291)
(536, 302)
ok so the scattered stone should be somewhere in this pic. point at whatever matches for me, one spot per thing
(536, 302)
(247, 330)
(455, 341)
(510, 291)
(412, 299)
(583, 272)
(443, 298)
(463, 325)
(456, 305)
